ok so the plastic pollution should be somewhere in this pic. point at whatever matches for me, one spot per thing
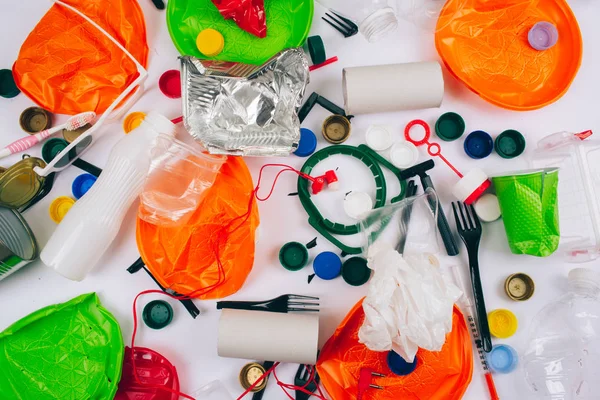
(82, 184)
(510, 144)
(8, 87)
(561, 357)
(399, 365)
(503, 323)
(52, 149)
(357, 204)
(375, 18)
(404, 154)
(542, 36)
(248, 15)
(327, 265)
(308, 143)
(293, 256)
(59, 208)
(478, 144)
(133, 120)
(487, 208)
(212, 391)
(343, 25)
(450, 126)
(378, 137)
(423, 13)
(18, 246)
(210, 42)
(503, 359)
(93, 222)
(177, 182)
(316, 49)
(157, 314)
(355, 271)
(170, 83)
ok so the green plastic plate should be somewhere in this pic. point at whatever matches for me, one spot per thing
(69, 351)
(288, 24)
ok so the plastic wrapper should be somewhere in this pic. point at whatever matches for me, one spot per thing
(242, 109)
(178, 181)
(67, 66)
(184, 258)
(249, 15)
(72, 350)
(443, 375)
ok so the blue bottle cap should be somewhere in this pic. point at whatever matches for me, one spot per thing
(399, 365)
(503, 359)
(327, 265)
(308, 143)
(479, 144)
(82, 184)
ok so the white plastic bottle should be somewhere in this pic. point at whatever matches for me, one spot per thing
(93, 222)
(563, 357)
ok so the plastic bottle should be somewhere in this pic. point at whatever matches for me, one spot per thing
(563, 356)
(92, 223)
(375, 18)
(423, 13)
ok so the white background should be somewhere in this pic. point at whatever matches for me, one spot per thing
(191, 344)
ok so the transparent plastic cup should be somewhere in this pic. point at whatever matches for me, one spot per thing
(179, 178)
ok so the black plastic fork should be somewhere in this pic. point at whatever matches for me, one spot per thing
(303, 380)
(469, 229)
(341, 24)
(282, 304)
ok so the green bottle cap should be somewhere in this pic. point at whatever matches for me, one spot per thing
(157, 314)
(510, 144)
(355, 271)
(8, 87)
(293, 256)
(450, 126)
(316, 49)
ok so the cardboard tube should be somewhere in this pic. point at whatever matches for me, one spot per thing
(262, 335)
(394, 87)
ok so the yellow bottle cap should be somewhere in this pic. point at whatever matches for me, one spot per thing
(133, 120)
(60, 207)
(210, 42)
(503, 323)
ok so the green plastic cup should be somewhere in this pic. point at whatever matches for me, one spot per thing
(529, 204)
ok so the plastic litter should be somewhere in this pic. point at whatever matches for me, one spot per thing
(542, 36)
(398, 365)
(357, 204)
(308, 143)
(293, 256)
(8, 87)
(82, 184)
(327, 265)
(18, 245)
(60, 207)
(210, 42)
(355, 271)
(449, 126)
(488, 208)
(379, 137)
(503, 323)
(133, 121)
(214, 390)
(479, 144)
(248, 15)
(170, 84)
(404, 154)
(503, 359)
(157, 314)
(510, 144)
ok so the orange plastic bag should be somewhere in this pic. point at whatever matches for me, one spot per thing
(484, 44)
(67, 66)
(184, 258)
(443, 375)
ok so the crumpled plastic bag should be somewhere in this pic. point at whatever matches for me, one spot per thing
(409, 304)
(249, 15)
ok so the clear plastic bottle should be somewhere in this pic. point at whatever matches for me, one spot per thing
(563, 356)
(375, 18)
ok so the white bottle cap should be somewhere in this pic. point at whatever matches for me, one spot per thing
(160, 123)
(470, 184)
(404, 154)
(378, 137)
(357, 204)
(584, 275)
(488, 208)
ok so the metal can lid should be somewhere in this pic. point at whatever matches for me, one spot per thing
(336, 129)
(450, 126)
(8, 87)
(479, 144)
(170, 83)
(399, 365)
(60, 207)
(355, 271)
(19, 184)
(157, 314)
(210, 42)
(357, 204)
(327, 265)
(519, 287)
(35, 119)
(249, 374)
(293, 256)
(503, 359)
(82, 184)
(308, 143)
(510, 144)
(133, 120)
(503, 323)
(542, 36)
(316, 49)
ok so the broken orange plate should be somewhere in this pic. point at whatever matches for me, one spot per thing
(484, 44)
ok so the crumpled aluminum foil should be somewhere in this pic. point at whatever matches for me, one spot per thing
(242, 109)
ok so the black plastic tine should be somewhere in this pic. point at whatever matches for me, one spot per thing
(341, 21)
(471, 222)
(305, 373)
(303, 309)
(475, 217)
(341, 29)
(301, 297)
(299, 303)
(348, 22)
(464, 220)
(458, 222)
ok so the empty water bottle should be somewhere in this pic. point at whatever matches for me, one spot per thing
(563, 356)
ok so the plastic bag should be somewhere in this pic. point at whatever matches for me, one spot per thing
(184, 258)
(249, 15)
(67, 66)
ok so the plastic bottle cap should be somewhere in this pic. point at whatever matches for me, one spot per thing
(133, 120)
(70, 136)
(450, 126)
(399, 365)
(35, 119)
(293, 256)
(308, 143)
(355, 271)
(316, 49)
(503, 323)
(585, 275)
(471, 186)
(327, 265)
(82, 184)
(503, 359)
(542, 36)
(487, 208)
(170, 84)
(378, 137)
(357, 204)
(60, 207)
(479, 144)
(8, 87)
(510, 144)
(336, 129)
(157, 314)
(210, 42)
(519, 287)
(404, 154)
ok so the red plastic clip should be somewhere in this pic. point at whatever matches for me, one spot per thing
(318, 183)
(365, 381)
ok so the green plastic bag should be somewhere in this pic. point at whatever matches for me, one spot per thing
(69, 351)
(529, 205)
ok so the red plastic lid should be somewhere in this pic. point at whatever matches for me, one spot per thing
(153, 370)
(170, 84)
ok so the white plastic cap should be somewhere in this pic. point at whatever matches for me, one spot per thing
(404, 154)
(469, 184)
(378, 137)
(160, 123)
(585, 275)
(357, 204)
(488, 208)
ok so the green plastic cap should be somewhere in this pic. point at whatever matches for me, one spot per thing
(8, 87)
(157, 314)
(293, 256)
(316, 49)
(510, 144)
(355, 271)
(450, 126)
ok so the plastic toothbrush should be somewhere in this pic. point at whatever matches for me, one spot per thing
(75, 122)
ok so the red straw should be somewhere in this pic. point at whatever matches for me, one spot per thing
(324, 63)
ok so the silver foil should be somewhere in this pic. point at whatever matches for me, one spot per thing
(242, 109)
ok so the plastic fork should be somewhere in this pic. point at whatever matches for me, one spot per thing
(341, 24)
(469, 229)
(281, 304)
(303, 380)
